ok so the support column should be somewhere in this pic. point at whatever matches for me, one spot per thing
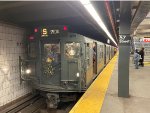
(124, 49)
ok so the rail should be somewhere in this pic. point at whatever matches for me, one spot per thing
(28, 105)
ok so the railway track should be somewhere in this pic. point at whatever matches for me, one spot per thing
(30, 104)
(63, 108)
(37, 104)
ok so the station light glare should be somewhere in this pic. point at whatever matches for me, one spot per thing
(78, 75)
(89, 7)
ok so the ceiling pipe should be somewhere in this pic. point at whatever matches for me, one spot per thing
(107, 6)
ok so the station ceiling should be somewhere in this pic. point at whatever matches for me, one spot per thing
(31, 14)
(140, 26)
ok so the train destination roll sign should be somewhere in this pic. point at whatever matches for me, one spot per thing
(124, 39)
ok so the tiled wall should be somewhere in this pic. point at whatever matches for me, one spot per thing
(11, 47)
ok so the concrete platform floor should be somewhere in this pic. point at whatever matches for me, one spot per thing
(139, 101)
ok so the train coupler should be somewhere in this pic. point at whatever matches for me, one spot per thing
(52, 100)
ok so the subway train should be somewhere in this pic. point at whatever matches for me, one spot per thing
(60, 64)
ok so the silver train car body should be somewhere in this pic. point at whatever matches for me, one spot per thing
(63, 62)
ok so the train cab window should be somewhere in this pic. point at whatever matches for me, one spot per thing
(72, 50)
(32, 49)
(52, 53)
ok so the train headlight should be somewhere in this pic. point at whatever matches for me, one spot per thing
(77, 74)
(28, 71)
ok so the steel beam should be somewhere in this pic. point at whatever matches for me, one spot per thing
(124, 49)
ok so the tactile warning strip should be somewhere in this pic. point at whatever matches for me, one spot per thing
(92, 100)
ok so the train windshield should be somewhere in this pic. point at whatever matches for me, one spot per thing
(52, 52)
(51, 58)
(72, 50)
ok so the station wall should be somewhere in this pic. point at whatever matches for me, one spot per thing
(11, 47)
(139, 43)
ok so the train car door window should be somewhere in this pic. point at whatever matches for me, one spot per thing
(72, 50)
(31, 50)
(100, 52)
(94, 57)
(88, 54)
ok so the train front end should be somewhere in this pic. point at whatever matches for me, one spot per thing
(45, 64)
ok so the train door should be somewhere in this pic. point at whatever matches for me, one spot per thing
(50, 62)
(109, 50)
(71, 63)
(88, 63)
(94, 58)
(105, 54)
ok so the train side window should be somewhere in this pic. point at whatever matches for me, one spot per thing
(32, 49)
(87, 44)
(87, 55)
(99, 50)
(72, 50)
(102, 51)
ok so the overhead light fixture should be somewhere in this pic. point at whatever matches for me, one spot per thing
(118, 9)
(89, 7)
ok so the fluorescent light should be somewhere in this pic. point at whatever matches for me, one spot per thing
(84, 2)
(89, 7)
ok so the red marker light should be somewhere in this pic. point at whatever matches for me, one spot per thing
(65, 28)
(31, 38)
(35, 30)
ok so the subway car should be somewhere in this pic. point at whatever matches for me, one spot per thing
(60, 64)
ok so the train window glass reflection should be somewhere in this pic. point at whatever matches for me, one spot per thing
(52, 52)
(72, 50)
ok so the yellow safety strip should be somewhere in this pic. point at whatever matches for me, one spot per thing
(92, 100)
(146, 63)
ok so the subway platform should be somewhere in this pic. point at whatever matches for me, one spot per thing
(139, 90)
(108, 100)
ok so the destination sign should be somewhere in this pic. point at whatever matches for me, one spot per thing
(54, 31)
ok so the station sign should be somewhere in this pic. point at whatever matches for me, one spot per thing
(124, 40)
(147, 39)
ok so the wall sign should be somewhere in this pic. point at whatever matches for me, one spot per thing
(124, 39)
(146, 39)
